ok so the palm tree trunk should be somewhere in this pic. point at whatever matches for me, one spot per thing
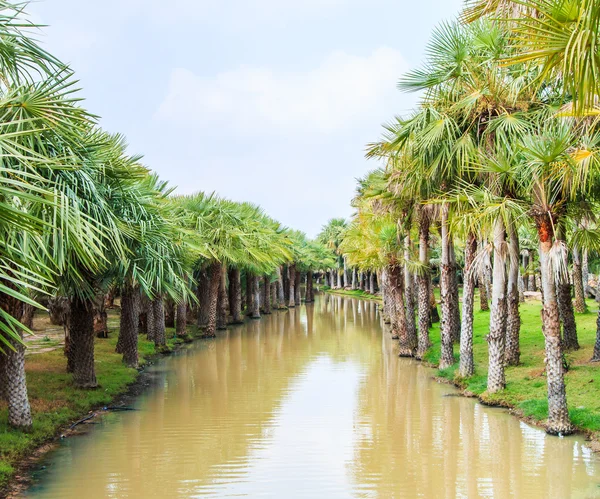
(567, 315)
(596, 354)
(181, 319)
(292, 291)
(531, 276)
(483, 285)
(406, 344)
(19, 410)
(214, 272)
(280, 290)
(309, 294)
(346, 275)
(255, 297)
(127, 343)
(235, 296)
(448, 316)
(81, 333)
(467, 366)
(160, 336)
(512, 352)
(354, 279)
(424, 285)
(411, 328)
(454, 295)
(386, 298)
(372, 282)
(521, 287)
(150, 320)
(222, 301)
(580, 305)
(274, 301)
(497, 336)
(249, 293)
(13, 379)
(558, 414)
(203, 297)
(298, 288)
(267, 294)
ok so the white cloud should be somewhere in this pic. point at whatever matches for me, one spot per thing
(340, 93)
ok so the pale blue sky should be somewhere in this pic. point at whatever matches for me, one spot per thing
(269, 101)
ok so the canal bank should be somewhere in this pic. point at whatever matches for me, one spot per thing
(59, 407)
(525, 393)
(312, 392)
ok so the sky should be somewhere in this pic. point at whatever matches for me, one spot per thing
(268, 101)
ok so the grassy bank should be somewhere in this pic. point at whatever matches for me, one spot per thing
(526, 384)
(356, 293)
(55, 402)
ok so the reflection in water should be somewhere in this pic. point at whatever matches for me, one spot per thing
(312, 402)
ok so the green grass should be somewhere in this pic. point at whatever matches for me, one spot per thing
(357, 293)
(526, 383)
(55, 401)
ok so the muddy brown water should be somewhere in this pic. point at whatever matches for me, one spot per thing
(311, 403)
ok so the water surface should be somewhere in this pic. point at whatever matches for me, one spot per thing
(312, 403)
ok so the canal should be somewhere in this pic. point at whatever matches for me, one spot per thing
(311, 403)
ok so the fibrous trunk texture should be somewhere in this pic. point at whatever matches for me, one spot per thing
(309, 294)
(292, 290)
(411, 328)
(354, 279)
(181, 319)
(222, 301)
(558, 415)
(267, 294)
(280, 290)
(567, 315)
(386, 298)
(406, 345)
(214, 272)
(372, 282)
(58, 310)
(160, 334)
(274, 302)
(454, 303)
(235, 296)
(497, 336)
(580, 305)
(467, 366)
(596, 354)
(423, 285)
(512, 352)
(12, 365)
(482, 283)
(150, 319)
(448, 315)
(81, 342)
(127, 343)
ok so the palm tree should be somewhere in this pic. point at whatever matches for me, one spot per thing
(561, 37)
